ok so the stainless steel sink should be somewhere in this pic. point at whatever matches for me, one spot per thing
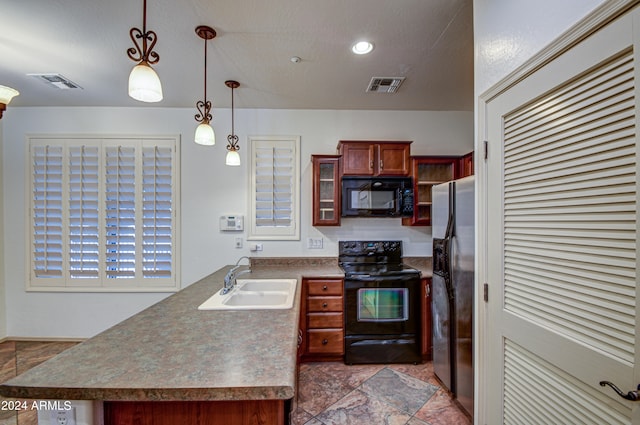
(254, 294)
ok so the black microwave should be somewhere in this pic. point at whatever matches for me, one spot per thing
(377, 197)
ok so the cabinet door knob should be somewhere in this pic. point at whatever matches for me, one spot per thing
(325, 341)
(325, 305)
(324, 288)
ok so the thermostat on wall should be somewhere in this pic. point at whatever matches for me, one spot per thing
(231, 222)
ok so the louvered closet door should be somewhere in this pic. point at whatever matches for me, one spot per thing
(562, 238)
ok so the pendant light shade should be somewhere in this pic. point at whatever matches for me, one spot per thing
(6, 94)
(233, 157)
(144, 84)
(204, 132)
(205, 135)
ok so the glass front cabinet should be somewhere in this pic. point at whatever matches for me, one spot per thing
(326, 190)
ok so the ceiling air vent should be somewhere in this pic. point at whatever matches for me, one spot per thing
(385, 84)
(56, 80)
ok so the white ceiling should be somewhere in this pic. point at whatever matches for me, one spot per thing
(430, 42)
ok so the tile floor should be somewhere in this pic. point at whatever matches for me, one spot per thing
(334, 393)
(329, 393)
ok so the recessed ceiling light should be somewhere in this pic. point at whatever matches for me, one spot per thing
(362, 47)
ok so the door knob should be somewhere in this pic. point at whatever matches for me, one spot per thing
(631, 395)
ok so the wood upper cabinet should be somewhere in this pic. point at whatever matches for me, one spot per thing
(321, 319)
(465, 166)
(326, 190)
(366, 158)
(428, 171)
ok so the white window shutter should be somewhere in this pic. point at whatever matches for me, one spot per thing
(84, 212)
(104, 214)
(157, 211)
(274, 193)
(47, 206)
(120, 203)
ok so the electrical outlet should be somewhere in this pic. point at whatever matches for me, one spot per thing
(63, 417)
(256, 247)
(238, 242)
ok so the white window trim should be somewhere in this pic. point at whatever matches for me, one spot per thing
(171, 284)
(274, 233)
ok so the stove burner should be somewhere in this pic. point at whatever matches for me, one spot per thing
(373, 258)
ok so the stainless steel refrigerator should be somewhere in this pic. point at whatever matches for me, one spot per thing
(453, 230)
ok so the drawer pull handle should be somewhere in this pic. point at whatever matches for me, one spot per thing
(325, 305)
(325, 341)
(324, 288)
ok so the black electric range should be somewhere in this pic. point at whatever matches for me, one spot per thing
(382, 303)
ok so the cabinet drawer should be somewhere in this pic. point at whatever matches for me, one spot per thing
(321, 304)
(324, 287)
(324, 320)
(329, 341)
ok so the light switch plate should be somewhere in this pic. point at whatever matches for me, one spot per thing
(314, 243)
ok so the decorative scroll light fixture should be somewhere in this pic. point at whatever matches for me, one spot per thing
(6, 94)
(144, 83)
(204, 132)
(233, 158)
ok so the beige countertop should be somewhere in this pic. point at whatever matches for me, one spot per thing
(173, 351)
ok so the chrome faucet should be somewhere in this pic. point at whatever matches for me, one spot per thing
(230, 278)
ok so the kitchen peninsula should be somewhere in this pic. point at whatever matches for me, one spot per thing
(173, 363)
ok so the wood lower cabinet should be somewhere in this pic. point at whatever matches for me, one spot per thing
(195, 412)
(425, 294)
(366, 158)
(321, 319)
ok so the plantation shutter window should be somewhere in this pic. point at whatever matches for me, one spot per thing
(120, 203)
(84, 217)
(103, 214)
(274, 193)
(47, 174)
(157, 207)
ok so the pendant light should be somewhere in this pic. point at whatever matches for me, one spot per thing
(6, 94)
(204, 132)
(233, 158)
(144, 83)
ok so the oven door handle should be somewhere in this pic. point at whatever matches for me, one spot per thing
(387, 278)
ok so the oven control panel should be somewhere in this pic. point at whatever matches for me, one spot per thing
(393, 248)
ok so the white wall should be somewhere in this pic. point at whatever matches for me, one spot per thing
(3, 303)
(509, 32)
(208, 190)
